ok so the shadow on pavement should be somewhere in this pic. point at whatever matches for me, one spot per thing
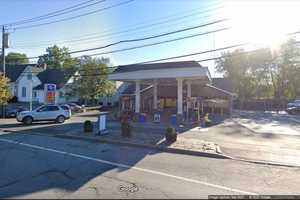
(25, 170)
(34, 170)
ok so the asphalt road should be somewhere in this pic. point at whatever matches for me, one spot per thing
(46, 167)
(259, 136)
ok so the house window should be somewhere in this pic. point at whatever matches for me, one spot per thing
(23, 91)
(29, 77)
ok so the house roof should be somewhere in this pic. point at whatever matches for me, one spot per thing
(223, 83)
(166, 65)
(14, 71)
(53, 76)
(168, 70)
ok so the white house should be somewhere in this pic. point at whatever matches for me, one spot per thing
(28, 81)
(61, 78)
(19, 76)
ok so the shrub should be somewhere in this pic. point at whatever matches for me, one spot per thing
(126, 129)
(14, 99)
(171, 135)
(88, 126)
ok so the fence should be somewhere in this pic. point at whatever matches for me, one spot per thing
(262, 104)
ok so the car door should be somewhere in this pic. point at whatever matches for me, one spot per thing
(53, 112)
(41, 113)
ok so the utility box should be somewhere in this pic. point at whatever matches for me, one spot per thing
(102, 123)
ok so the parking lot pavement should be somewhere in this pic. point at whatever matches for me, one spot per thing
(48, 167)
(74, 124)
(262, 136)
(269, 122)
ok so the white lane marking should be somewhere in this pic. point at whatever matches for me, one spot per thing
(128, 167)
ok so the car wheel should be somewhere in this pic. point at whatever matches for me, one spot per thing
(60, 119)
(27, 120)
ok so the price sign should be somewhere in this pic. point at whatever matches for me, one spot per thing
(50, 91)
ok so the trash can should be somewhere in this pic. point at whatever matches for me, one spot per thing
(173, 119)
(102, 123)
(142, 117)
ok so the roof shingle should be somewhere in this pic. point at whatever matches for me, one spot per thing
(14, 71)
(166, 65)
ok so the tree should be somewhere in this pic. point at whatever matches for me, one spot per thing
(235, 66)
(4, 90)
(92, 82)
(261, 74)
(16, 58)
(58, 58)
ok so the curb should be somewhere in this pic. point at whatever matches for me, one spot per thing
(218, 155)
(160, 148)
(262, 162)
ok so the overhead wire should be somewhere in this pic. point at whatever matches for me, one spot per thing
(74, 17)
(56, 13)
(108, 32)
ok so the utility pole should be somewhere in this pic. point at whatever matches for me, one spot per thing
(3, 62)
(3, 50)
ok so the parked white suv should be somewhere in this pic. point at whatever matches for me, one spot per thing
(44, 113)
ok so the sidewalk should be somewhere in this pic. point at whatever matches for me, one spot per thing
(241, 143)
(150, 136)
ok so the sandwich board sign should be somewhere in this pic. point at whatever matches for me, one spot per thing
(50, 93)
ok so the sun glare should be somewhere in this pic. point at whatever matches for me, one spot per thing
(262, 23)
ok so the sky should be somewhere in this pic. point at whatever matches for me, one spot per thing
(261, 23)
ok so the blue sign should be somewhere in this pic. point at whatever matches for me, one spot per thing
(51, 87)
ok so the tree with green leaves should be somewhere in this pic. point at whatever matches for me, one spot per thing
(58, 58)
(16, 58)
(235, 65)
(4, 90)
(91, 82)
(261, 74)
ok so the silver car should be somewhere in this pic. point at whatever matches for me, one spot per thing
(44, 113)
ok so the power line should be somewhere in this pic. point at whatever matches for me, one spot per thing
(137, 27)
(197, 53)
(151, 44)
(76, 16)
(154, 36)
(56, 13)
(85, 41)
(142, 46)
(180, 56)
(188, 55)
